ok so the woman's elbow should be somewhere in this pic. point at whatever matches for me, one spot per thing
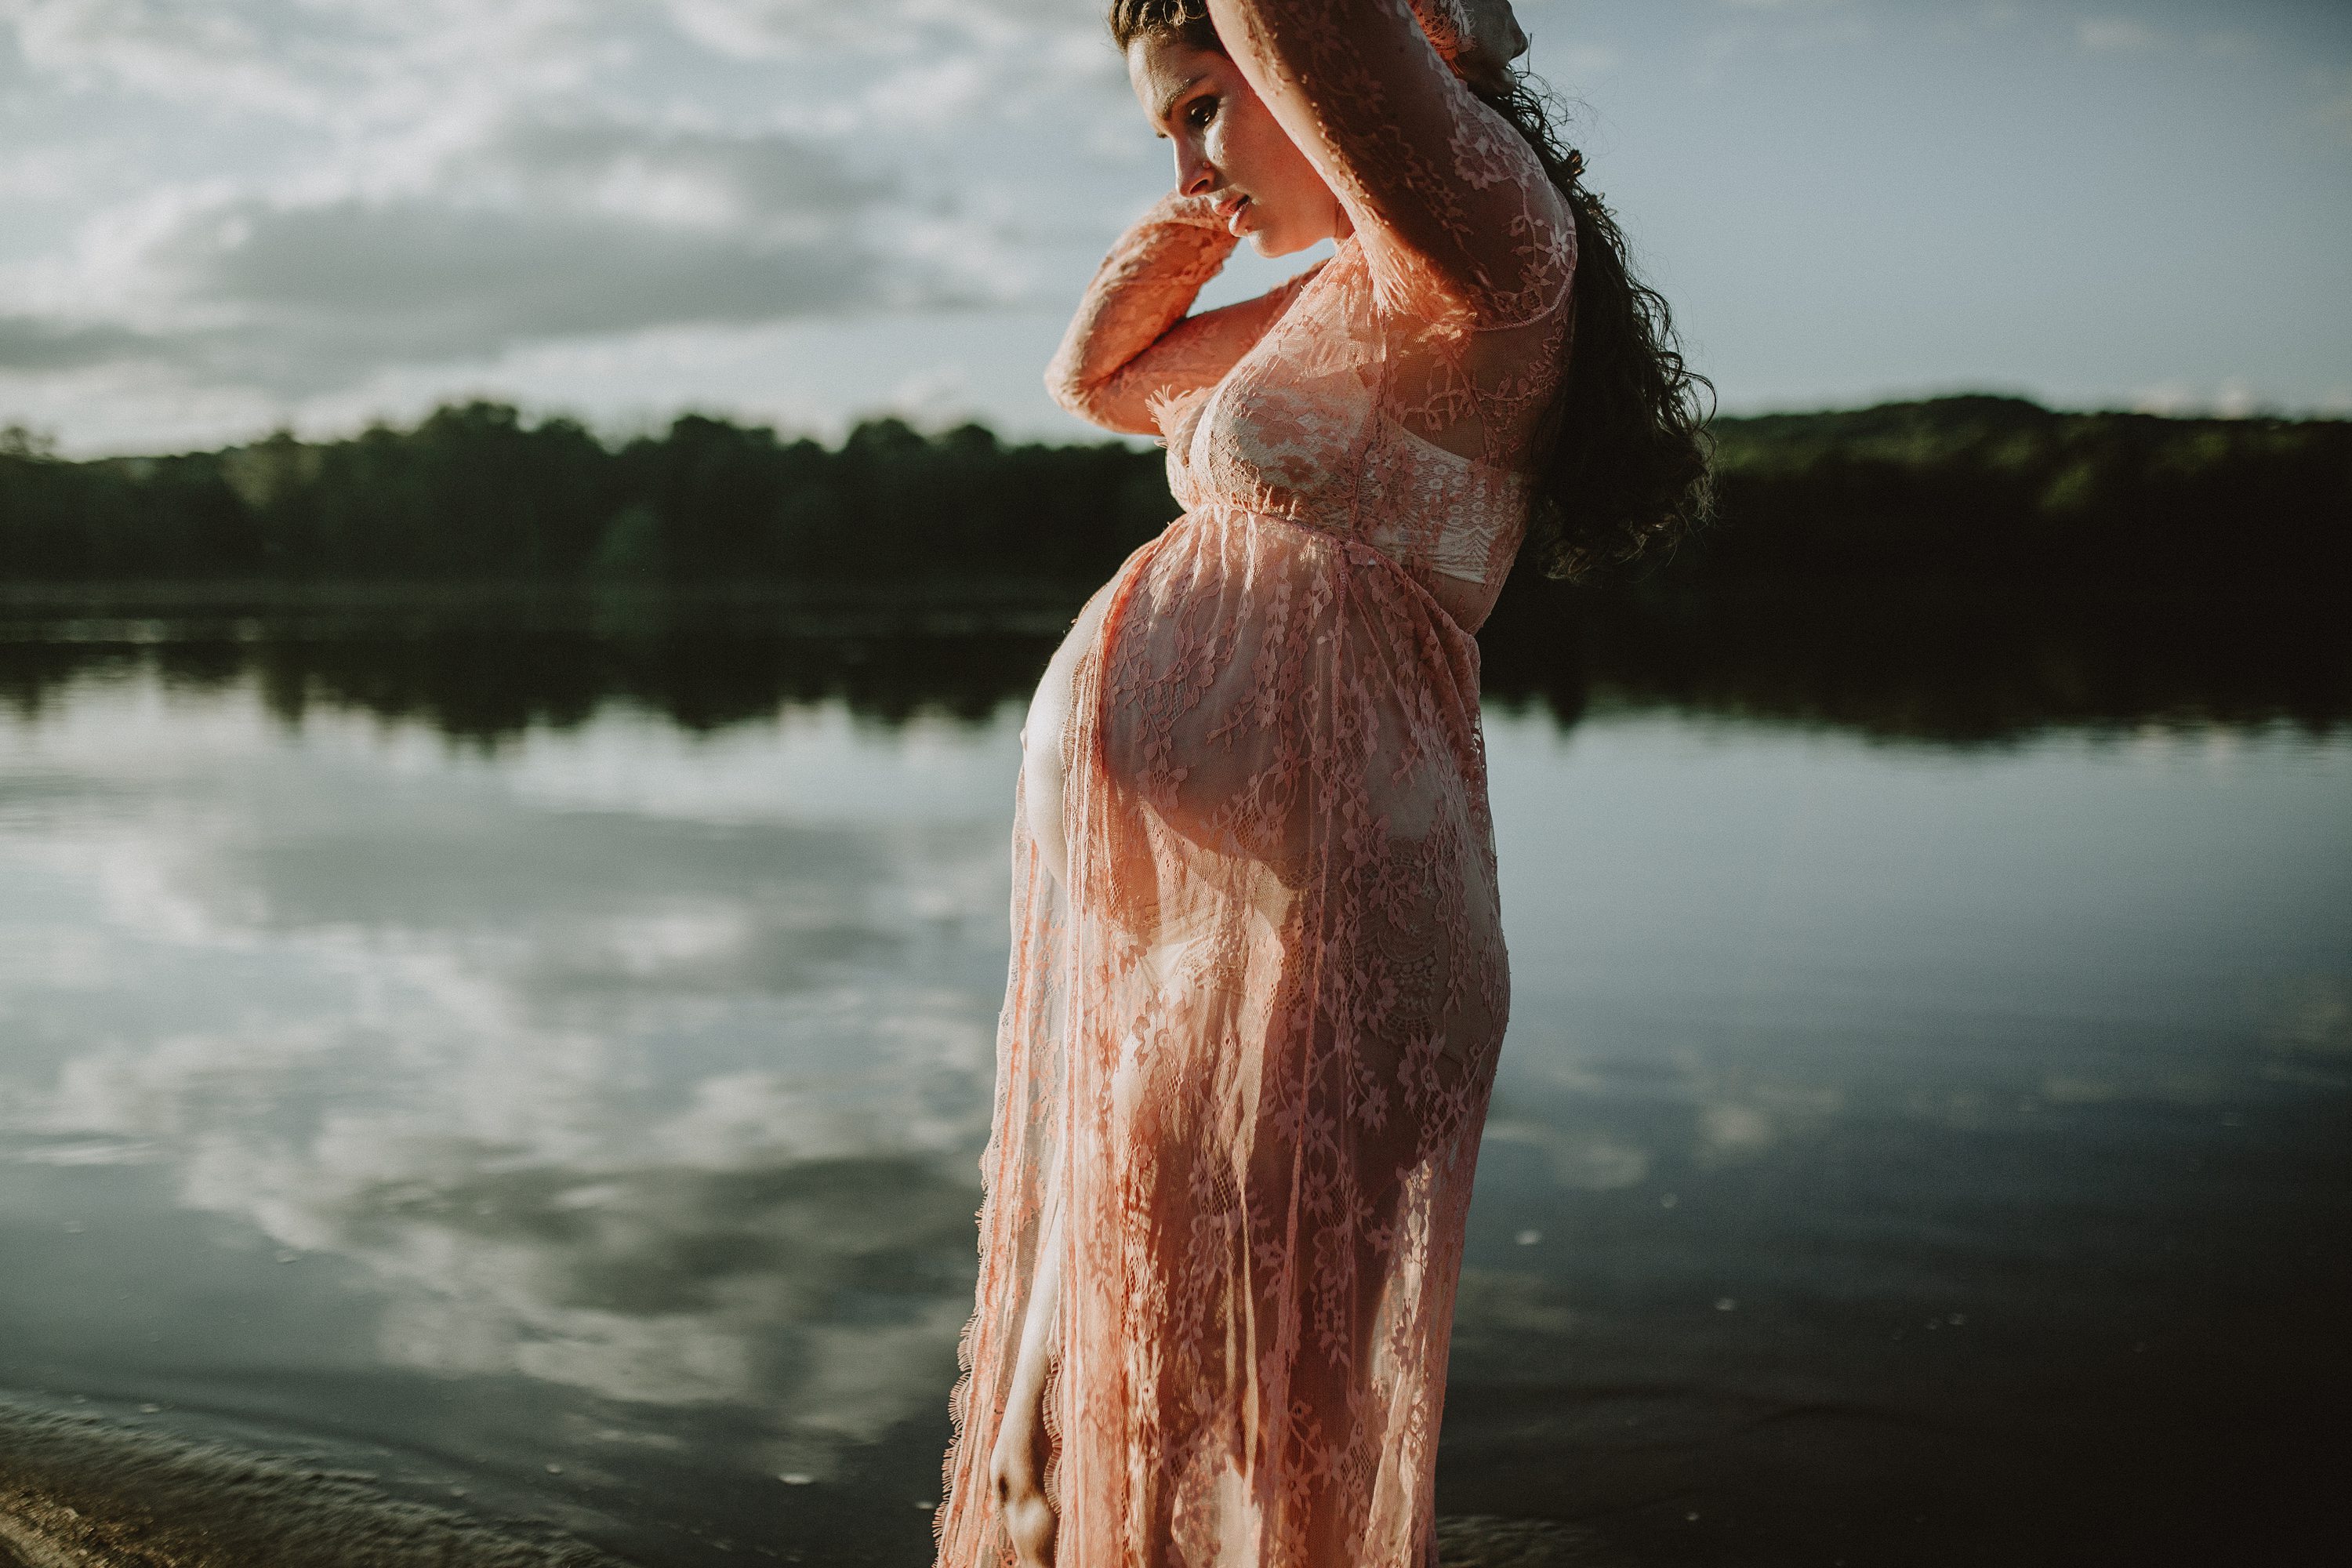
(1068, 389)
(1096, 402)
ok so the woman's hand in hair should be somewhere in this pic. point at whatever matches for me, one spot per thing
(1486, 36)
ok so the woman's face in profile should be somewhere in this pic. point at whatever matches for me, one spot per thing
(1229, 146)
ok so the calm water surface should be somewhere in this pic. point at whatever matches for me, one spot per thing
(1903, 1152)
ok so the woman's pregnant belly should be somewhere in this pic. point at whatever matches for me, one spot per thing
(1216, 681)
(1176, 909)
(1274, 722)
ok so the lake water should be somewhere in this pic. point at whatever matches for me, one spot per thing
(531, 1080)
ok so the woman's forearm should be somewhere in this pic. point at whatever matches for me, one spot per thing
(1143, 288)
(1450, 203)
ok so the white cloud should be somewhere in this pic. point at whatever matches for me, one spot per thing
(774, 29)
(227, 55)
(470, 181)
(771, 29)
(541, 228)
(244, 211)
(325, 62)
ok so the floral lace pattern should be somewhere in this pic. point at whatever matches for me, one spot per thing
(1249, 1031)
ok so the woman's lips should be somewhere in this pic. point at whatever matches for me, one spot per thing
(1234, 213)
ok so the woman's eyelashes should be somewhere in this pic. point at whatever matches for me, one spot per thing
(1199, 111)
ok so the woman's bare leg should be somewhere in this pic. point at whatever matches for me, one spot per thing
(1017, 1465)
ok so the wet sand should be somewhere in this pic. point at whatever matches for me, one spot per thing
(80, 1492)
(77, 1491)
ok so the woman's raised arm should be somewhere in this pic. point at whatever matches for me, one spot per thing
(1442, 189)
(1131, 344)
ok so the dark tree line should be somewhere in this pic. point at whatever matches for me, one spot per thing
(475, 493)
(1965, 489)
(2000, 490)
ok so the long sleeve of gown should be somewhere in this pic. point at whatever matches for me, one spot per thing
(1131, 347)
(1451, 201)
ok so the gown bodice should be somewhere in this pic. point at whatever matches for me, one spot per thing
(1309, 426)
(1396, 392)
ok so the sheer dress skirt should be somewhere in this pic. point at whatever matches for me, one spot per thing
(1246, 1046)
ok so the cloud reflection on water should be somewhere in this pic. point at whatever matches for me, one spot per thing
(671, 1104)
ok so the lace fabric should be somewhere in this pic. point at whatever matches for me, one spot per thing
(1258, 980)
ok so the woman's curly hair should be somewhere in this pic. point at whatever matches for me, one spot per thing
(1620, 463)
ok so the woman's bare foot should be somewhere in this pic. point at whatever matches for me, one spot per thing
(1016, 1474)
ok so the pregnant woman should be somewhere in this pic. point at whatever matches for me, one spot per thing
(1258, 982)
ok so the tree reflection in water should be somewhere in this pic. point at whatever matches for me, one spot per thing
(1955, 665)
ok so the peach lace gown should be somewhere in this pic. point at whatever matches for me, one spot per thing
(1251, 1027)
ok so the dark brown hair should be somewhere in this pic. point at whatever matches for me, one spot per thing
(1619, 462)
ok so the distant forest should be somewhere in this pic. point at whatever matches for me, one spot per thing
(1976, 489)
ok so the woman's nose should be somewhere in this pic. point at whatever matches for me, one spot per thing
(1195, 173)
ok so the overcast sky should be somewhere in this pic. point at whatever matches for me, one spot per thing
(221, 216)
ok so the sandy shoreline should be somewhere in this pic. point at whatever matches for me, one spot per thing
(77, 1491)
